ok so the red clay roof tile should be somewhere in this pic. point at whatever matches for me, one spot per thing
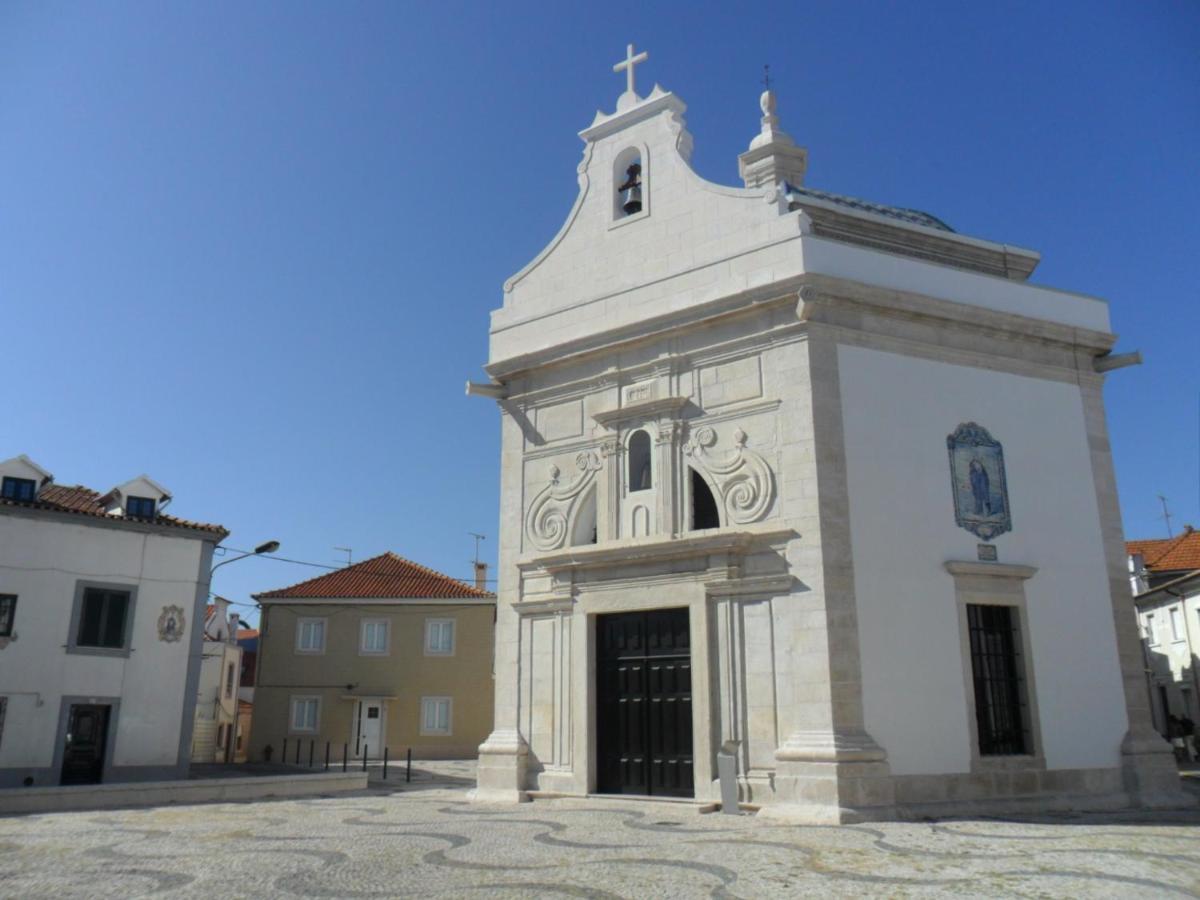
(387, 576)
(1178, 554)
(86, 502)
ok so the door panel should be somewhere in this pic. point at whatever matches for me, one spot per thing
(87, 735)
(644, 703)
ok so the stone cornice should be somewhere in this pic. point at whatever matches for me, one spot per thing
(838, 301)
(991, 570)
(647, 409)
(635, 551)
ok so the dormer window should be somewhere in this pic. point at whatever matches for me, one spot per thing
(22, 489)
(140, 507)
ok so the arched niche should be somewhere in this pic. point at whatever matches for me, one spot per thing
(705, 512)
(583, 530)
(639, 458)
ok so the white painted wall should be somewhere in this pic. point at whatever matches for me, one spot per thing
(898, 412)
(41, 561)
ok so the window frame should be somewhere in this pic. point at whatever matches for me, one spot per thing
(137, 515)
(230, 672)
(11, 601)
(363, 649)
(999, 584)
(301, 621)
(430, 650)
(438, 732)
(18, 484)
(1151, 631)
(1175, 618)
(296, 699)
(81, 589)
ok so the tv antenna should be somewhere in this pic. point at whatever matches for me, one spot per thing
(478, 538)
(1166, 516)
(349, 554)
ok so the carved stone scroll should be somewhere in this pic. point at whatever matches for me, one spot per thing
(548, 521)
(742, 477)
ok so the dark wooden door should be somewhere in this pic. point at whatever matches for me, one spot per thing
(87, 733)
(644, 703)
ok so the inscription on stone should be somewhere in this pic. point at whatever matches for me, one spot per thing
(987, 552)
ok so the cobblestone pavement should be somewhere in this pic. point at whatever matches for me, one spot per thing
(425, 839)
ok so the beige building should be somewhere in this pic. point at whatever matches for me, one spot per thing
(217, 728)
(381, 653)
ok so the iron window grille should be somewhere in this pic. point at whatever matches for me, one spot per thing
(8, 614)
(1001, 712)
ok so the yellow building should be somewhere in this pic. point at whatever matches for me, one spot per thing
(381, 653)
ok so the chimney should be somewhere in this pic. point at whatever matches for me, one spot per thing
(234, 623)
(481, 576)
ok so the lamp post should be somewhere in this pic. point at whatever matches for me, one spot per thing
(231, 738)
(268, 547)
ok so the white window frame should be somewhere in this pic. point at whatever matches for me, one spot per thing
(363, 649)
(1151, 631)
(426, 703)
(1175, 615)
(430, 624)
(292, 704)
(308, 620)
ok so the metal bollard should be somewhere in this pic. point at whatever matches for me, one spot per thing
(297, 751)
(311, 744)
(344, 748)
(385, 763)
(366, 753)
(327, 756)
(283, 753)
(408, 766)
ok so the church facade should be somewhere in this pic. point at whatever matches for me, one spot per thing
(811, 481)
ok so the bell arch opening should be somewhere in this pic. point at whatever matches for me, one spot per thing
(629, 183)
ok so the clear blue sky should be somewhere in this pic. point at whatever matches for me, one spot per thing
(251, 248)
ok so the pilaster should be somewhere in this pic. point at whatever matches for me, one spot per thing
(1147, 762)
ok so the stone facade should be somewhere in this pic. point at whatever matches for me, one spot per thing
(756, 335)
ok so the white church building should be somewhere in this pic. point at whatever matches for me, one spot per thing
(817, 481)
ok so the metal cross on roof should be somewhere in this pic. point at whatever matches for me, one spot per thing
(627, 65)
(766, 80)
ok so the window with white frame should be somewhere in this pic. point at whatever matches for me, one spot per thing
(305, 711)
(1150, 635)
(439, 637)
(436, 715)
(1176, 625)
(373, 636)
(310, 636)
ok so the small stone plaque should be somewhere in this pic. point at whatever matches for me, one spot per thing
(987, 553)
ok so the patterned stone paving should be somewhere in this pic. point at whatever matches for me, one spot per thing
(426, 840)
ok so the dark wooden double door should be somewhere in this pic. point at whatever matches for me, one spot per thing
(644, 703)
(87, 735)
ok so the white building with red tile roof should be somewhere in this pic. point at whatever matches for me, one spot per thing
(1165, 577)
(102, 600)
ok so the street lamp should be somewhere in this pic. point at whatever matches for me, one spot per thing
(268, 547)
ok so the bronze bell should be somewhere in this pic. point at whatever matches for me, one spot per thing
(631, 190)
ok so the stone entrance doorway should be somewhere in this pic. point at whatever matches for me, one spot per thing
(644, 703)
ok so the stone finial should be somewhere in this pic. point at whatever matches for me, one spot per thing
(773, 155)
